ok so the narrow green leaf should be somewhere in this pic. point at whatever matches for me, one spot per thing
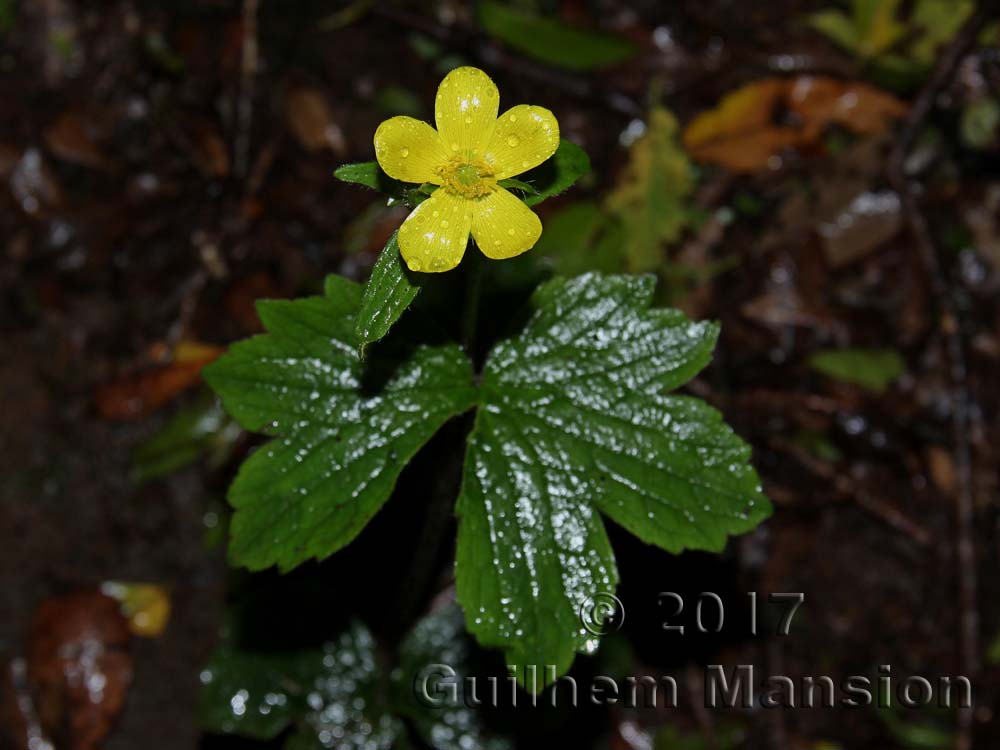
(874, 369)
(554, 176)
(552, 41)
(516, 184)
(370, 175)
(573, 421)
(336, 452)
(388, 293)
(558, 174)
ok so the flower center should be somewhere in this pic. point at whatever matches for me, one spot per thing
(467, 176)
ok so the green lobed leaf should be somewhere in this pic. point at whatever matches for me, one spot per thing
(874, 369)
(551, 41)
(336, 452)
(328, 693)
(439, 638)
(388, 293)
(345, 702)
(573, 421)
(254, 695)
(558, 174)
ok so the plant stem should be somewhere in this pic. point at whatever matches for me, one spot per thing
(475, 270)
(442, 491)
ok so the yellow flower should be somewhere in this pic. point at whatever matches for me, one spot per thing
(469, 153)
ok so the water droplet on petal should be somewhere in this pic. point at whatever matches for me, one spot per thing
(415, 265)
(404, 152)
(468, 119)
(511, 231)
(444, 222)
(513, 118)
(513, 140)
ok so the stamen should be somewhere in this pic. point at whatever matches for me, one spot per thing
(467, 176)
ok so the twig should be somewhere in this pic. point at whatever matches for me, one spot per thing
(849, 490)
(248, 72)
(954, 347)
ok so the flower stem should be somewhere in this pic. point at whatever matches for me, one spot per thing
(475, 269)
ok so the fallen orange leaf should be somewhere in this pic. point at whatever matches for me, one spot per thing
(753, 124)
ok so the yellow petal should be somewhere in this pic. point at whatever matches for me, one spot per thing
(503, 226)
(434, 236)
(409, 150)
(465, 109)
(523, 138)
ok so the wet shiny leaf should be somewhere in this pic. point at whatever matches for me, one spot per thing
(345, 708)
(337, 452)
(330, 695)
(558, 174)
(388, 293)
(252, 694)
(573, 420)
(439, 639)
(369, 174)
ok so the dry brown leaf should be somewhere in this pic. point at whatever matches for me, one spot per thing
(135, 396)
(79, 667)
(71, 138)
(209, 152)
(755, 123)
(312, 122)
